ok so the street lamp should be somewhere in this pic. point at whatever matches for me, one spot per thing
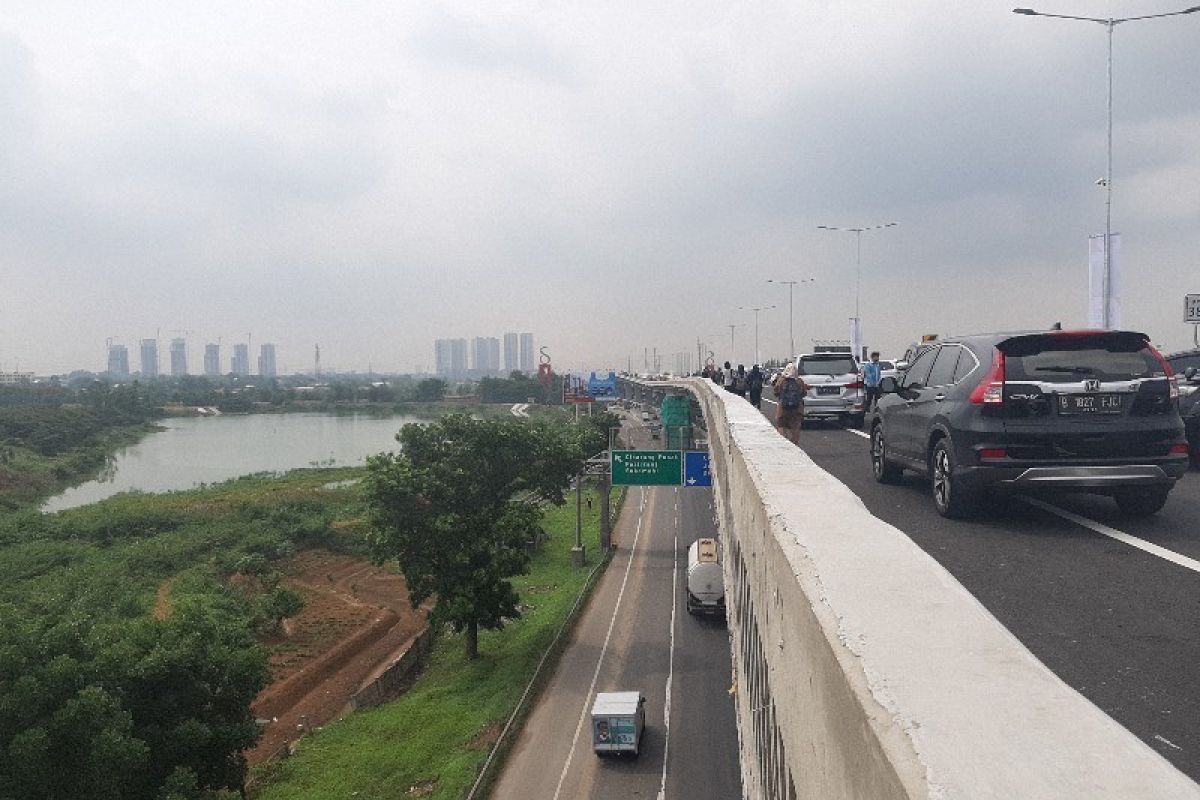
(1109, 23)
(732, 354)
(755, 309)
(858, 232)
(791, 333)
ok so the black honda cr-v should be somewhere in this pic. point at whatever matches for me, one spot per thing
(1093, 411)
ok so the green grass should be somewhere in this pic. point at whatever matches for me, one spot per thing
(434, 733)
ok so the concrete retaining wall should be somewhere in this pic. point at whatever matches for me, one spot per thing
(866, 671)
(392, 681)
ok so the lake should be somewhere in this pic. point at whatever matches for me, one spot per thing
(196, 450)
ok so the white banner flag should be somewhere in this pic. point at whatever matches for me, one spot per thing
(1098, 292)
(856, 341)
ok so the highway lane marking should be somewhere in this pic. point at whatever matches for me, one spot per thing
(1101, 528)
(600, 661)
(662, 787)
(1120, 536)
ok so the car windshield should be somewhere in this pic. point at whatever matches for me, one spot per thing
(1069, 360)
(827, 366)
(886, 365)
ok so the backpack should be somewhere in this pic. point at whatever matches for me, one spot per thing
(754, 379)
(739, 382)
(793, 393)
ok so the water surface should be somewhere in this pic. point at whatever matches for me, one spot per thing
(197, 450)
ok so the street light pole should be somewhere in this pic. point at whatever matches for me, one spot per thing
(732, 353)
(755, 309)
(791, 333)
(1109, 23)
(858, 232)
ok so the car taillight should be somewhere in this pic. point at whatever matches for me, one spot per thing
(854, 385)
(1170, 373)
(990, 390)
(1179, 450)
(993, 452)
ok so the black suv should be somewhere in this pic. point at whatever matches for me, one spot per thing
(1093, 411)
(1187, 371)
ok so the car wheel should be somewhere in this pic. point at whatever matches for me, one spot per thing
(857, 420)
(951, 499)
(884, 470)
(1141, 502)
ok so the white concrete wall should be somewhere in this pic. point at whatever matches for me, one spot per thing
(866, 671)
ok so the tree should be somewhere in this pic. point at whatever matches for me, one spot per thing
(430, 390)
(447, 507)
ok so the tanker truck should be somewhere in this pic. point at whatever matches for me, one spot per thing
(705, 583)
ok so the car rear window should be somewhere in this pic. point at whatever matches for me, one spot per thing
(827, 366)
(1073, 358)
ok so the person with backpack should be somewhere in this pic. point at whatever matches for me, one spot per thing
(754, 386)
(789, 393)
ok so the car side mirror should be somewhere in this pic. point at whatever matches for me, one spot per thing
(888, 385)
(1190, 373)
(901, 366)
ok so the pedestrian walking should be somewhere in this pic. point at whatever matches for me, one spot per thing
(872, 376)
(754, 386)
(789, 415)
(730, 376)
(739, 381)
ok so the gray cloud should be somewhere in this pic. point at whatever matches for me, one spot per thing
(613, 178)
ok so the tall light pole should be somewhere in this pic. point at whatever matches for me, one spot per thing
(1109, 23)
(791, 334)
(856, 345)
(732, 326)
(755, 309)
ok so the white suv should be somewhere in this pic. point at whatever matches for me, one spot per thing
(835, 387)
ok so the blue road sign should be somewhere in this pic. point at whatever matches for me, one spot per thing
(695, 468)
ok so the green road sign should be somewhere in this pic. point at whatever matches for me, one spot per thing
(647, 468)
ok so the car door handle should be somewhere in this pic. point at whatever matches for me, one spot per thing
(939, 397)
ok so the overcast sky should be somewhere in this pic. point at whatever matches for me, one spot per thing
(611, 176)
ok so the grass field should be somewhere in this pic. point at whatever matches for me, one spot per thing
(432, 741)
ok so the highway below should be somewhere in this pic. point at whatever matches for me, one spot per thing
(636, 634)
(1111, 604)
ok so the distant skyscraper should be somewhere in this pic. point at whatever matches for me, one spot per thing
(179, 357)
(526, 362)
(149, 358)
(240, 365)
(485, 355)
(118, 360)
(512, 352)
(266, 361)
(212, 360)
(450, 358)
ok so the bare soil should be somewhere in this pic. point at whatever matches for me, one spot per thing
(356, 619)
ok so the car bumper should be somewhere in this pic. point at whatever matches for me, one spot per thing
(1085, 477)
(817, 408)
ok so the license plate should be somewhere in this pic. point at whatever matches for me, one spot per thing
(829, 389)
(1090, 403)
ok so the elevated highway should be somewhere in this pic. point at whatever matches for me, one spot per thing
(867, 670)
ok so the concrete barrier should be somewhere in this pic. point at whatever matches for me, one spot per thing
(865, 670)
(391, 683)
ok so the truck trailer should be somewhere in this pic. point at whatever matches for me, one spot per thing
(705, 582)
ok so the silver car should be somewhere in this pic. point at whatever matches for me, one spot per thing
(835, 387)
